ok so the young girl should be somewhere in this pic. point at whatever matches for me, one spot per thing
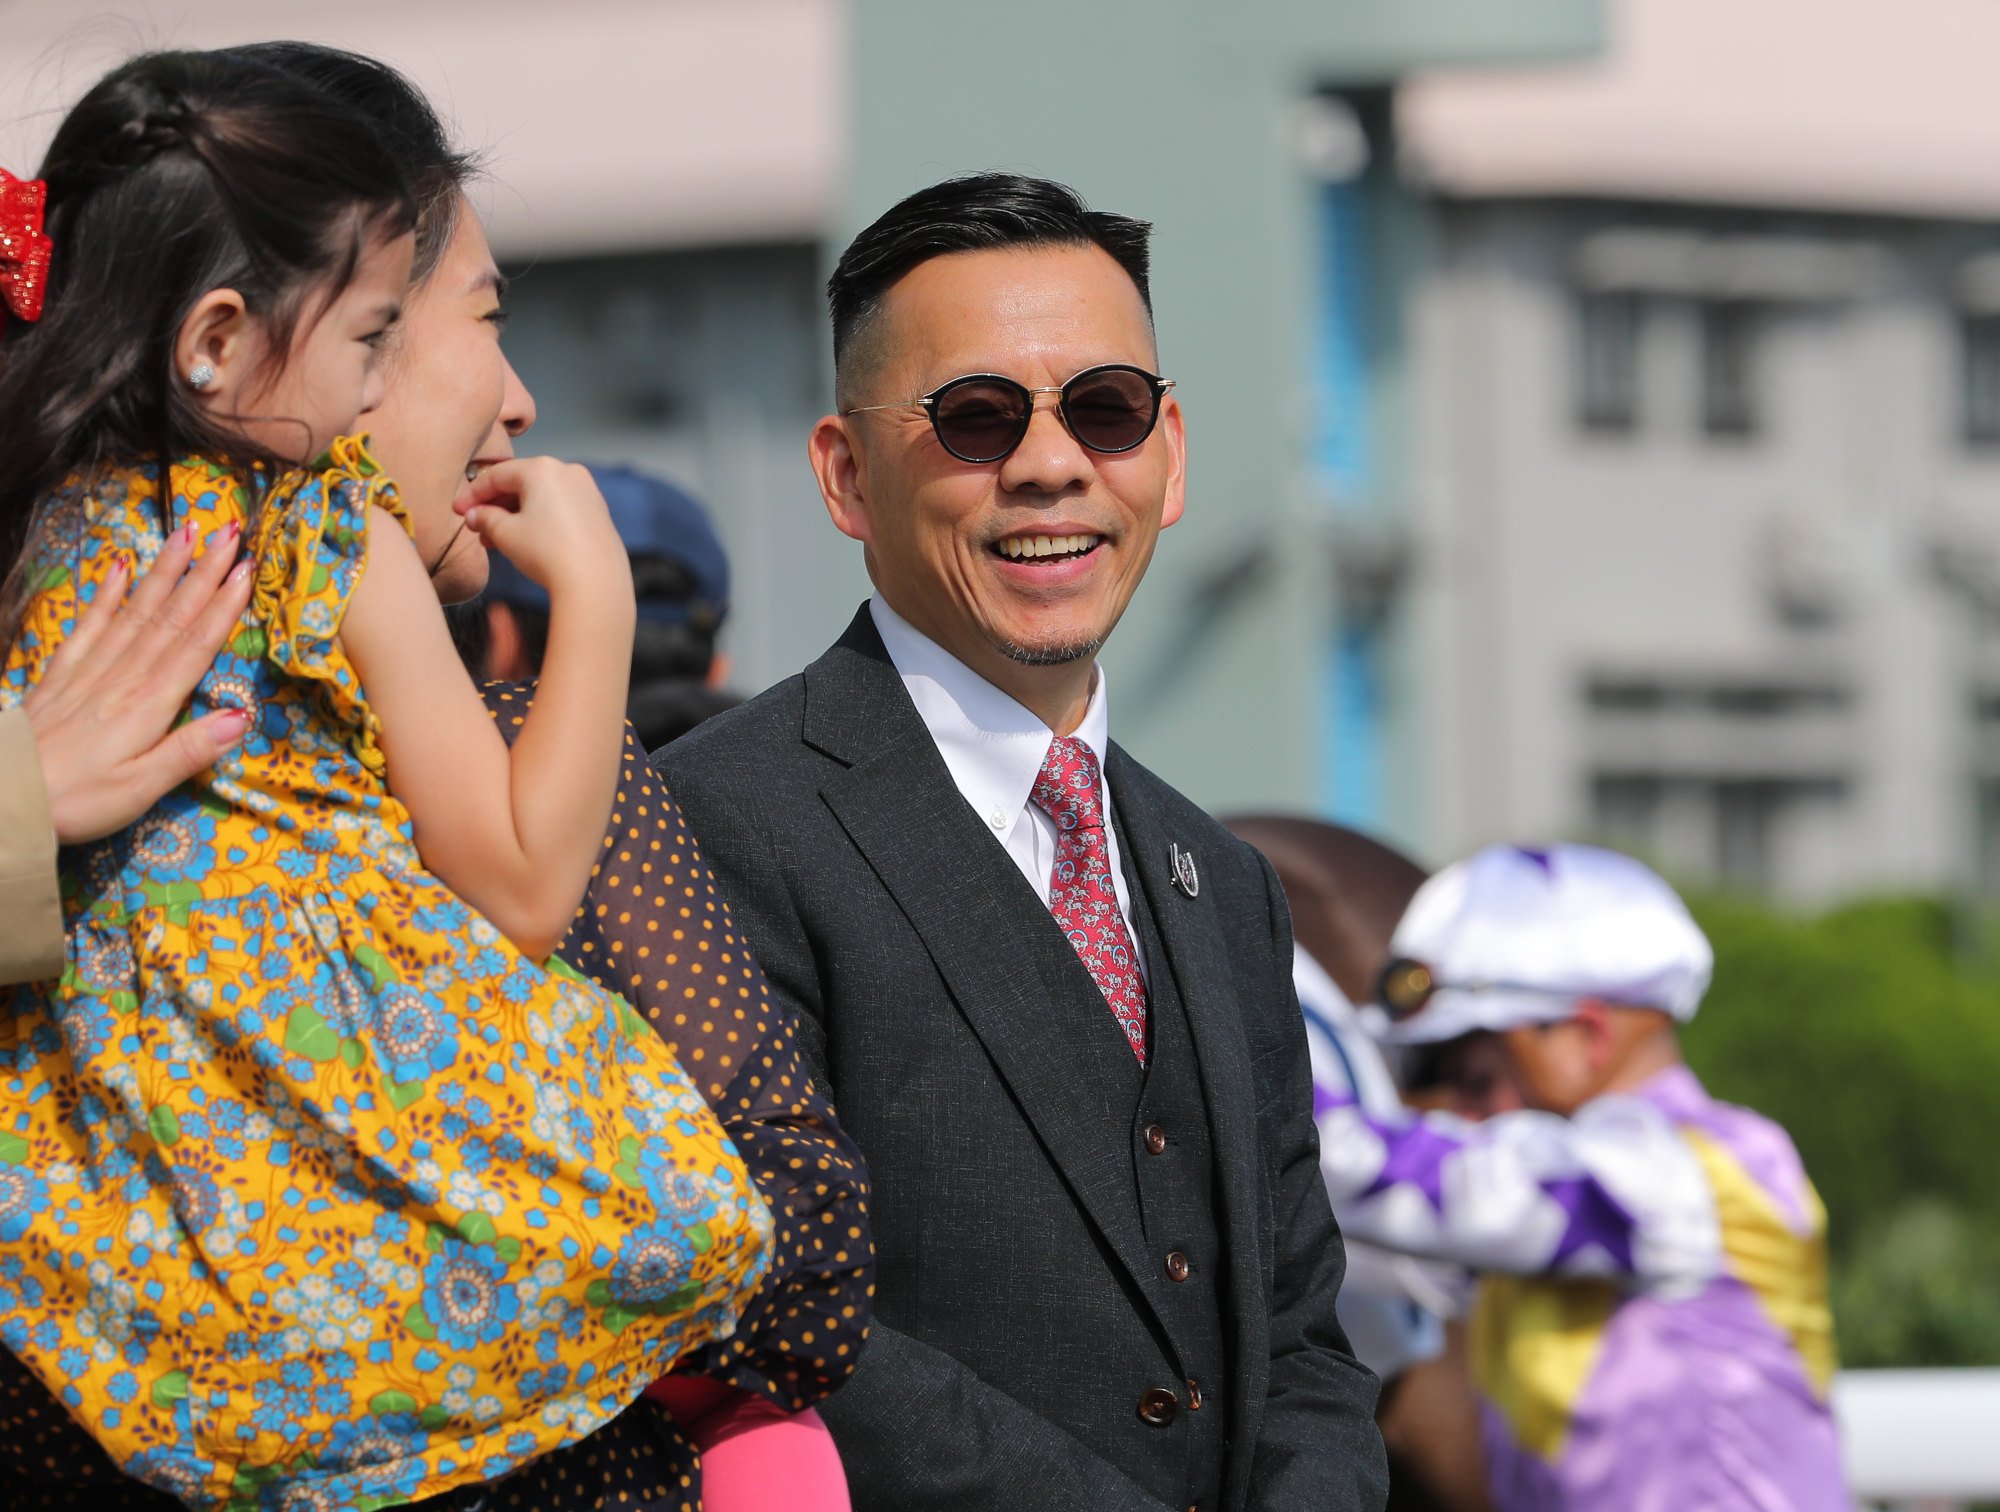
(316, 1189)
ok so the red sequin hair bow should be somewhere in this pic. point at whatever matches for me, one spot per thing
(24, 250)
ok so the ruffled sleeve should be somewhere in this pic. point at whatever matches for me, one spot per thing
(311, 546)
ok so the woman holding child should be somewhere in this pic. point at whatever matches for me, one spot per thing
(322, 1182)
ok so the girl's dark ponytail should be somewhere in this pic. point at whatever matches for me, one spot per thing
(176, 174)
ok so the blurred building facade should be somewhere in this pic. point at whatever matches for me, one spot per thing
(671, 179)
(1700, 526)
(1594, 405)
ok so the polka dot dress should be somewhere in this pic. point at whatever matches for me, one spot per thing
(653, 929)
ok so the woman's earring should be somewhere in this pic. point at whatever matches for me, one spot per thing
(201, 375)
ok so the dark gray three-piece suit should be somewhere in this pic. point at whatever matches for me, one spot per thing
(1100, 1286)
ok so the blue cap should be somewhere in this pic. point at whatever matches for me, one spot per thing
(654, 518)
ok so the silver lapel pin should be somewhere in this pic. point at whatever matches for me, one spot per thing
(1186, 878)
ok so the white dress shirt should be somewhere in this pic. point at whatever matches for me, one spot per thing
(994, 748)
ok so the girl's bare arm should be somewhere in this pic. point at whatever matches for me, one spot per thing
(513, 832)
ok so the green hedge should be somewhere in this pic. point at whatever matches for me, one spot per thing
(1868, 1034)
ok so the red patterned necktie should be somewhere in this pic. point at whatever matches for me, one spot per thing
(1082, 894)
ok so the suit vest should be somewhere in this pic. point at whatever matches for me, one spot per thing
(1178, 1202)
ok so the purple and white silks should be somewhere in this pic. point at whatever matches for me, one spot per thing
(1391, 1306)
(1651, 1331)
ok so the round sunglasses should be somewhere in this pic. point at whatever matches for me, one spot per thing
(982, 417)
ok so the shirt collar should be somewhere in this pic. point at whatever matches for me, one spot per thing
(993, 745)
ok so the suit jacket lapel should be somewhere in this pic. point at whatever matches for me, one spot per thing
(1191, 933)
(998, 951)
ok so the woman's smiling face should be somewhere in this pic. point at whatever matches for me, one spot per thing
(452, 404)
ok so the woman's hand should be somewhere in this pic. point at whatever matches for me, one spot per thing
(549, 520)
(103, 710)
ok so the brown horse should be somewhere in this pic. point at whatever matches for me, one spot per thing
(1347, 893)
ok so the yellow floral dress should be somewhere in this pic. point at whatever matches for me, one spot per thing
(315, 1191)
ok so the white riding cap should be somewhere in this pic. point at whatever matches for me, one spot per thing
(1518, 935)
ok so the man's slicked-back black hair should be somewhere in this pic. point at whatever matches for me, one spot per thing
(977, 212)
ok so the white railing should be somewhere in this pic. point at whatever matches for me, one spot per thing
(1920, 1438)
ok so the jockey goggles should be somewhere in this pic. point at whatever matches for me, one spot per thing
(1406, 986)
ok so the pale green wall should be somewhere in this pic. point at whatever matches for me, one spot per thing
(1181, 111)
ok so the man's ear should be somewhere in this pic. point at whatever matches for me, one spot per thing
(1174, 427)
(841, 468)
(220, 337)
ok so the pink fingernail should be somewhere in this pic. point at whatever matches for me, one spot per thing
(230, 726)
(238, 573)
(187, 533)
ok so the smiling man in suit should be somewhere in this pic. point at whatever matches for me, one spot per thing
(1051, 997)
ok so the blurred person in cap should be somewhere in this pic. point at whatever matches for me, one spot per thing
(680, 576)
(1651, 1327)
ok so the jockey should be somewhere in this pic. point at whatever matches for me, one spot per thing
(1650, 1327)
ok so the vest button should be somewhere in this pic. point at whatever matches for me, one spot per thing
(1156, 1140)
(1158, 1407)
(1177, 1268)
(1195, 1398)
